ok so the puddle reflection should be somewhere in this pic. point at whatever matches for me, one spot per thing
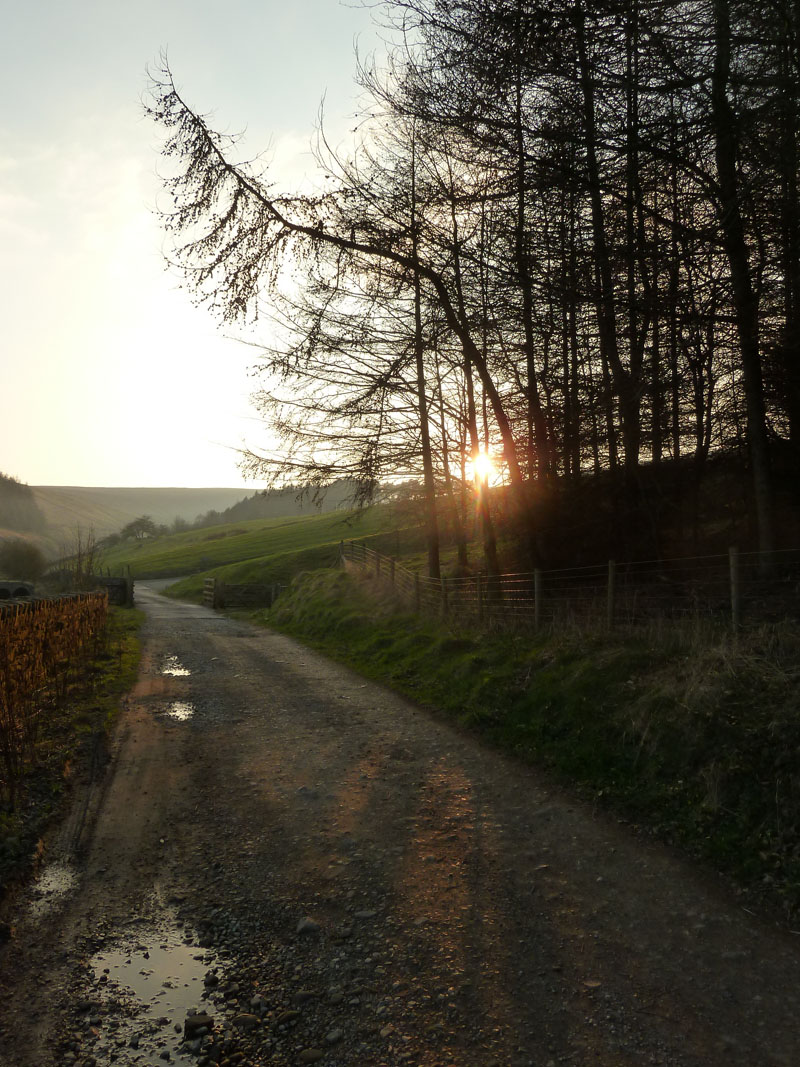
(174, 668)
(180, 710)
(166, 978)
(162, 978)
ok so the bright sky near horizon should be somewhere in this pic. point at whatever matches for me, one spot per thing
(110, 375)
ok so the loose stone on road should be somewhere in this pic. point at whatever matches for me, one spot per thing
(285, 865)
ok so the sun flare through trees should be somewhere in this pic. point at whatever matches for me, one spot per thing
(567, 234)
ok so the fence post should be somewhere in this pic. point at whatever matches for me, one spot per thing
(537, 598)
(479, 596)
(612, 592)
(736, 603)
(417, 598)
(391, 570)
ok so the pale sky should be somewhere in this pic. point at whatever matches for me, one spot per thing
(110, 375)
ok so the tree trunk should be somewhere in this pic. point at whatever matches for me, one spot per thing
(605, 302)
(744, 298)
(790, 220)
(431, 515)
(539, 460)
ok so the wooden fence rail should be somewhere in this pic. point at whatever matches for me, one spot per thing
(723, 587)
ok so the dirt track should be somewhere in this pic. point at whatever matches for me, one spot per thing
(336, 876)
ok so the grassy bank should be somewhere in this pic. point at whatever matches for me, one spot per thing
(276, 567)
(70, 740)
(689, 733)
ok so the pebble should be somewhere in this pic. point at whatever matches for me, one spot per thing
(308, 926)
(244, 1021)
(194, 1023)
(286, 1017)
(304, 995)
(310, 1055)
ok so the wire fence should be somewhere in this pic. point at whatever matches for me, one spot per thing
(725, 588)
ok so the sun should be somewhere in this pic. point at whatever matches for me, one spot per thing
(482, 467)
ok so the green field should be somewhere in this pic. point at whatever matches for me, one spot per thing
(259, 550)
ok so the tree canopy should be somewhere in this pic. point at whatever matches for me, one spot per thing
(568, 235)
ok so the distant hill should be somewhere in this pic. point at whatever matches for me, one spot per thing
(107, 510)
(19, 511)
(50, 515)
(276, 503)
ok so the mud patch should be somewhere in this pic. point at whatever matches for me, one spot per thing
(56, 881)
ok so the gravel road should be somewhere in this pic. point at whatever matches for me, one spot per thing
(284, 864)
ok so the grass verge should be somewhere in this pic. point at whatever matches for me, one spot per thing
(69, 739)
(280, 567)
(689, 733)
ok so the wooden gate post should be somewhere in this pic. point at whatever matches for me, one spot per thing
(612, 593)
(736, 603)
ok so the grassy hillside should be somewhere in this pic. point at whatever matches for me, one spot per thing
(48, 545)
(107, 510)
(246, 551)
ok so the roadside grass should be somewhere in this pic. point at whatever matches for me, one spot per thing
(687, 732)
(279, 567)
(204, 551)
(71, 740)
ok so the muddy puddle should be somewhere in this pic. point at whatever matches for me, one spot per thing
(173, 668)
(145, 987)
(54, 883)
(181, 710)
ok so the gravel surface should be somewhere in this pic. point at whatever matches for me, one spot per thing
(284, 864)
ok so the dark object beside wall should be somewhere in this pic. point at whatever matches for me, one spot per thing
(120, 590)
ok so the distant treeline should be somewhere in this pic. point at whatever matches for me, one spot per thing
(275, 503)
(18, 508)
